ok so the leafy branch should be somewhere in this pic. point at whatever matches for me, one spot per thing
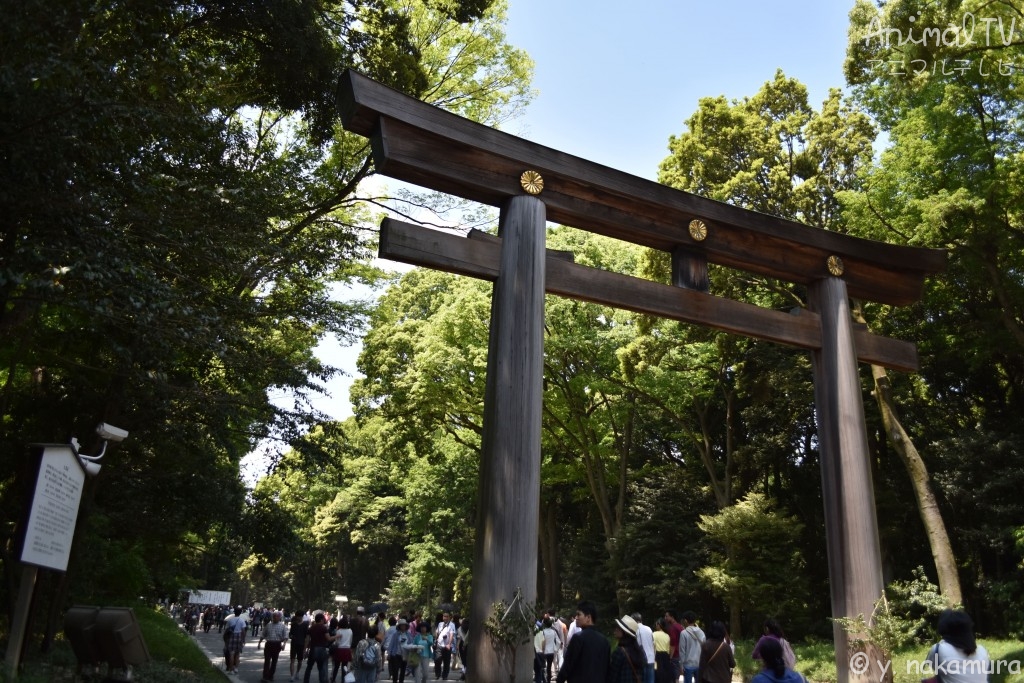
(510, 626)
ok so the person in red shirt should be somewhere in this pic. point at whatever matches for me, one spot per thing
(317, 640)
(674, 630)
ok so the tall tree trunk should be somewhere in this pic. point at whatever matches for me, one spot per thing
(938, 539)
(735, 623)
(550, 578)
(927, 507)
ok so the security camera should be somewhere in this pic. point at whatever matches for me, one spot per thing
(91, 468)
(111, 433)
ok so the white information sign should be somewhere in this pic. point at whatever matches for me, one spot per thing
(207, 597)
(51, 522)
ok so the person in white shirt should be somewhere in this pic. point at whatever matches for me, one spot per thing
(573, 629)
(958, 657)
(645, 638)
(234, 638)
(444, 638)
(563, 632)
(552, 642)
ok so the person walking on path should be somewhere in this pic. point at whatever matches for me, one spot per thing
(464, 645)
(645, 638)
(342, 656)
(366, 662)
(552, 642)
(396, 651)
(235, 640)
(674, 630)
(359, 625)
(317, 640)
(716, 658)
(420, 652)
(275, 633)
(586, 658)
(445, 640)
(627, 663)
(297, 635)
(664, 669)
(690, 640)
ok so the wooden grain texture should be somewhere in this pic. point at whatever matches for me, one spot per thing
(851, 527)
(422, 144)
(505, 554)
(690, 270)
(479, 257)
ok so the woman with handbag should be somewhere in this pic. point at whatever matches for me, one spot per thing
(716, 658)
(628, 659)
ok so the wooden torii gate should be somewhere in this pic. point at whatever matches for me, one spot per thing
(419, 143)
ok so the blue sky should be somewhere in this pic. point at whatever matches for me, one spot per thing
(614, 83)
(615, 80)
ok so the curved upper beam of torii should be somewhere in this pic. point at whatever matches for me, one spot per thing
(422, 144)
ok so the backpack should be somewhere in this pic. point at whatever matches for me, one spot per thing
(367, 654)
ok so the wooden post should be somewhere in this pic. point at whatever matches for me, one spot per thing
(505, 556)
(19, 625)
(851, 527)
(690, 270)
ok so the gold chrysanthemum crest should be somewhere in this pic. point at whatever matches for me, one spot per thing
(835, 265)
(532, 182)
(698, 229)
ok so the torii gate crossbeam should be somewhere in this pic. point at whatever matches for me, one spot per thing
(416, 142)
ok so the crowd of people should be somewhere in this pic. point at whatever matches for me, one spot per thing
(678, 649)
(350, 649)
(359, 649)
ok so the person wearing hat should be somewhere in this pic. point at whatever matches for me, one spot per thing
(628, 659)
(444, 638)
(396, 642)
(586, 657)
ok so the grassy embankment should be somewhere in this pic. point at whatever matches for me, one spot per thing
(175, 657)
(816, 661)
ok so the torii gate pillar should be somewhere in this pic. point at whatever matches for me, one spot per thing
(505, 556)
(851, 527)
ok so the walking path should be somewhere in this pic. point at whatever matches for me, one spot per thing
(250, 664)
